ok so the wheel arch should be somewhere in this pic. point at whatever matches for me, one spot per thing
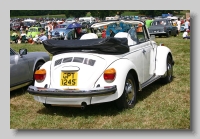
(36, 62)
(161, 57)
(135, 77)
(45, 66)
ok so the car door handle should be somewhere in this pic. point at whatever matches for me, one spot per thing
(143, 51)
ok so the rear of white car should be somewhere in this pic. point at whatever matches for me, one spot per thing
(91, 71)
(74, 78)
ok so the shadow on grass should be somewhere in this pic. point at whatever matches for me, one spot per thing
(103, 109)
(18, 92)
(147, 91)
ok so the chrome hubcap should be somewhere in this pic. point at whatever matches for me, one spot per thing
(129, 89)
(169, 70)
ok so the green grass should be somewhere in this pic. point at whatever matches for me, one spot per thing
(158, 106)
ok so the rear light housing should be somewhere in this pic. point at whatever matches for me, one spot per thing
(162, 44)
(40, 75)
(109, 75)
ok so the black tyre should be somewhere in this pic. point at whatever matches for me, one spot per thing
(128, 98)
(47, 105)
(169, 74)
(168, 34)
(175, 34)
(37, 66)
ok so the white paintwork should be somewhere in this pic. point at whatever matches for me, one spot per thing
(146, 59)
(162, 52)
(125, 35)
(89, 36)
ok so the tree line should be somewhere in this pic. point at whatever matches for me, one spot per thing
(81, 13)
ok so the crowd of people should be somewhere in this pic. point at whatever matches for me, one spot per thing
(17, 37)
(20, 36)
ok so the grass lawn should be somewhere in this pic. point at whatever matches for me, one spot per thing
(158, 106)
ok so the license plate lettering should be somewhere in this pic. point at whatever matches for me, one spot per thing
(68, 79)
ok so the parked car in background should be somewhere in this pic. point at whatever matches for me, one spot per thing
(33, 31)
(89, 71)
(23, 65)
(163, 27)
(85, 24)
(62, 33)
(182, 29)
(15, 26)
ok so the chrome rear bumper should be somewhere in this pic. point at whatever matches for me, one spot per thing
(51, 92)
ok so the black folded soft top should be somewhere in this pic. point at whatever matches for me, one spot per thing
(107, 45)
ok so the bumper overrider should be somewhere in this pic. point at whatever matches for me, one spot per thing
(51, 92)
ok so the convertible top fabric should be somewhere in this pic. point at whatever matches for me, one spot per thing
(102, 45)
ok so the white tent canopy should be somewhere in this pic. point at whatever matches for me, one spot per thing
(29, 20)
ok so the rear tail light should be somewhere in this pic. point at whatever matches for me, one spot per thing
(109, 75)
(40, 75)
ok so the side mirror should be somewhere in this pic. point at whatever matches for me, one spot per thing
(153, 37)
(22, 52)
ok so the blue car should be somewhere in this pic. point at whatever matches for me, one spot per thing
(62, 34)
(182, 28)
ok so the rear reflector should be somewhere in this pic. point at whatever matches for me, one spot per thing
(40, 75)
(109, 75)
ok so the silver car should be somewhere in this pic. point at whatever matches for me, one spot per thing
(163, 27)
(23, 65)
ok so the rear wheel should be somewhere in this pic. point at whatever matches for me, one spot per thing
(168, 34)
(169, 75)
(128, 98)
(47, 105)
(176, 33)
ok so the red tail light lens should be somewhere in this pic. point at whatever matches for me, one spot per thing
(40, 75)
(109, 75)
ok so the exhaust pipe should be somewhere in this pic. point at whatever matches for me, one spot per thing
(83, 105)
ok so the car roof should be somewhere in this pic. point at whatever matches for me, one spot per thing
(103, 23)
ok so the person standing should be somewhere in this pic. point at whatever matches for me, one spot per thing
(103, 35)
(187, 24)
(148, 22)
(112, 34)
(50, 29)
(26, 30)
(21, 29)
(178, 25)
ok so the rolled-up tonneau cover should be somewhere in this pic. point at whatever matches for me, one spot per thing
(107, 45)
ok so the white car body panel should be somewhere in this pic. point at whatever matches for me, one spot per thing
(162, 52)
(145, 60)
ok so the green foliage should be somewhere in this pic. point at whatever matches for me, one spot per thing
(75, 13)
(157, 12)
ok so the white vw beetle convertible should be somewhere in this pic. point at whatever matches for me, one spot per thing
(96, 70)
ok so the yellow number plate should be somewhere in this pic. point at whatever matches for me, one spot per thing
(69, 78)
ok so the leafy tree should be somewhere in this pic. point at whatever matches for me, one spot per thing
(157, 12)
(75, 13)
(104, 13)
